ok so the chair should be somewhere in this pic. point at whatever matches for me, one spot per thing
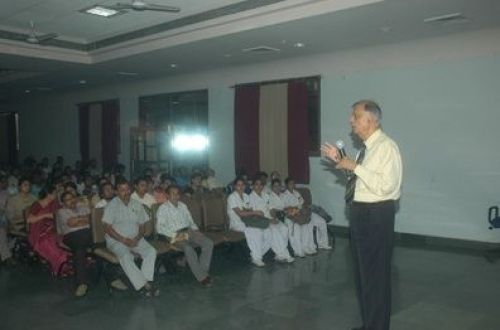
(105, 257)
(494, 221)
(194, 206)
(216, 220)
(493, 217)
(22, 250)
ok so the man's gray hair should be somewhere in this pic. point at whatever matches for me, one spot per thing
(371, 107)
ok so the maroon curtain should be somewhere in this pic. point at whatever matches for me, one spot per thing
(83, 113)
(110, 132)
(246, 129)
(298, 132)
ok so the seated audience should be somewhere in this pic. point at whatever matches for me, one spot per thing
(259, 201)
(293, 200)
(14, 210)
(263, 177)
(300, 235)
(42, 231)
(73, 221)
(72, 188)
(141, 193)
(238, 206)
(195, 186)
(124, 222)
(5, 254)
(160, 195)
(211, 182)
(176, 223)
(106, 193)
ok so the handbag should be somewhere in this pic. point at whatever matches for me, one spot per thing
(321, 212)
(256, 221)
(302, 217)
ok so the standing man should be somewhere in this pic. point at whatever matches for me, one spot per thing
(373, 187)
(124, 219)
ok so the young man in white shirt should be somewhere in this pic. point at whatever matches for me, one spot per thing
(294, 199)
(238, 206)
(176, 224)
(259, 201)
(141, 192)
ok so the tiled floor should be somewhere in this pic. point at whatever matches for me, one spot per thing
(432, 290)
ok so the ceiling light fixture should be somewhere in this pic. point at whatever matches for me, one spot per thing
(101, 11)
(82, 82)
(299, 45)
(445, 18)
(173, 65)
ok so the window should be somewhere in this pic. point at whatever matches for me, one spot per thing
(180, 123)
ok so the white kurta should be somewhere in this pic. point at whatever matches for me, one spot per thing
(258, 240)
(301, 236)
(279, 231)
(295, 199)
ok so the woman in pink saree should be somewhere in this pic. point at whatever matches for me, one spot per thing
(42, 231)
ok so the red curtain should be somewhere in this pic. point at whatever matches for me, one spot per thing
(110, 132)
(298, 132)
(83, 113)
(246, 129)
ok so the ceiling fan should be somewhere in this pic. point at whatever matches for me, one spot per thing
(34, 39)
(142, 5)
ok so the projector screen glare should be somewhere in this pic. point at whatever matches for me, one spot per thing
(195, 142)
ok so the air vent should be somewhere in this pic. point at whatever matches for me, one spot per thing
(447, 19)
(261, 50)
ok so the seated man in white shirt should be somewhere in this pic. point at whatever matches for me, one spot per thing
(141, 192)
(176, 223)
(124, 222)
(259, 201)
(106, 194)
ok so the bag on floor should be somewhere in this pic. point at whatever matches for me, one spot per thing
(256, 221)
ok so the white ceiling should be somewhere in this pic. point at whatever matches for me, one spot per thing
(339, 30)
(64, 18)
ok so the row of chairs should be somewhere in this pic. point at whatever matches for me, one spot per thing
(209, 211)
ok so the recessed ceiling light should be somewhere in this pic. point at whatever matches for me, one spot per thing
(82, 82)
(173, 65)
(228, 55)
(101, 11)
(299, 45)
(27, 91)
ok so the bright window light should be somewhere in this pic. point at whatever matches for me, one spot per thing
(185, 142)
(101, 11)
